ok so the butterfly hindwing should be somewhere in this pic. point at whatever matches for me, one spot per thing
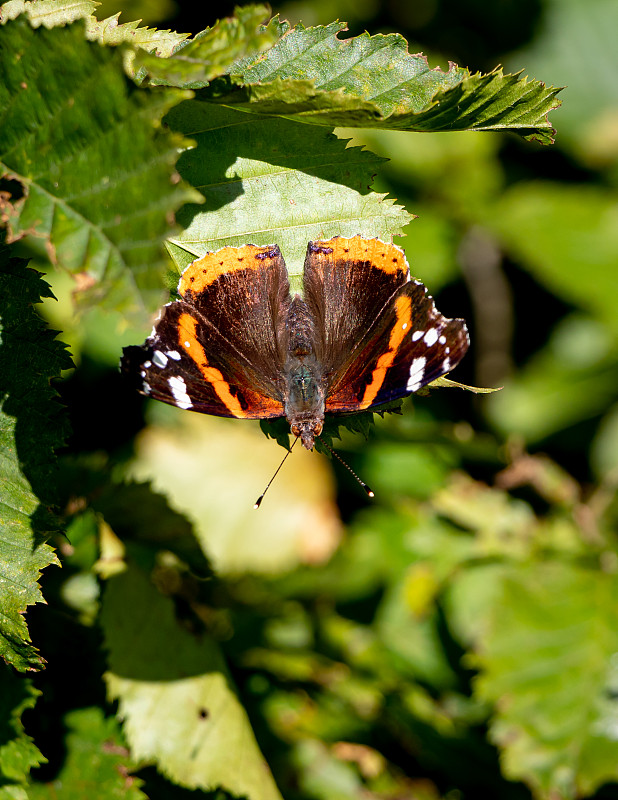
(409, 345)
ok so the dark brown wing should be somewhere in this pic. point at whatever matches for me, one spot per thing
(347, 284)
(409, 345)
(217, 350)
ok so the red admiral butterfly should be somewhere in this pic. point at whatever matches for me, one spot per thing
(236, 344)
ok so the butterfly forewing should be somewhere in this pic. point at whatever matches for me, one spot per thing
(217, 350)
(347, 284)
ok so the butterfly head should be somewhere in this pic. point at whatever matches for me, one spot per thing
(308, 430)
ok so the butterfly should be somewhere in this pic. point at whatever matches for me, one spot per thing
(237, 344)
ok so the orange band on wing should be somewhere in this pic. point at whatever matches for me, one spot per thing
(403, 310)
(187, 338)
(387, 257)
(205, 270)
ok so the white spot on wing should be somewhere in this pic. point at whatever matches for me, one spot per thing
(159, 359)
(417, 373)
(431, 337)
(147, 364)
(187, 344)
(442, 339)
(417, 335)
(145, 388)
(179, 390)
(446, 364)
(173, 354)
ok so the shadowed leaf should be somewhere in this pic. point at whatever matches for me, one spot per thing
(32, 426)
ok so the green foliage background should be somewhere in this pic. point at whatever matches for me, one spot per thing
(457, 636)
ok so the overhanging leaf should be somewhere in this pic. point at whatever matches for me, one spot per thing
(212, 52)
(373, 81)
(267, 180)
(111, 31)
(81, 140)
(32, 426)
(549, 664)
(179, 708)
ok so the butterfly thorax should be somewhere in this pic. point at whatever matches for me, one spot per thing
(304, 392)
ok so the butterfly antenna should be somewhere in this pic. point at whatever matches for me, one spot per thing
(349, 468)
(258, 502)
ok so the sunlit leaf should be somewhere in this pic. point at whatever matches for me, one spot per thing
(111, 31)
(179, 707)
(313, 76)
(49, 13)
(267, 180)
(212, 52)
(191, 463)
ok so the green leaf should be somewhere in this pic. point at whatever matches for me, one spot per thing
(32, 426)
(95, 174)
(373, 81)
(549, 664)
(177, 702)
(97, 763)
(567, 237)
(18, 753)
(49, 13)
(269, 180)
(213, 51)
